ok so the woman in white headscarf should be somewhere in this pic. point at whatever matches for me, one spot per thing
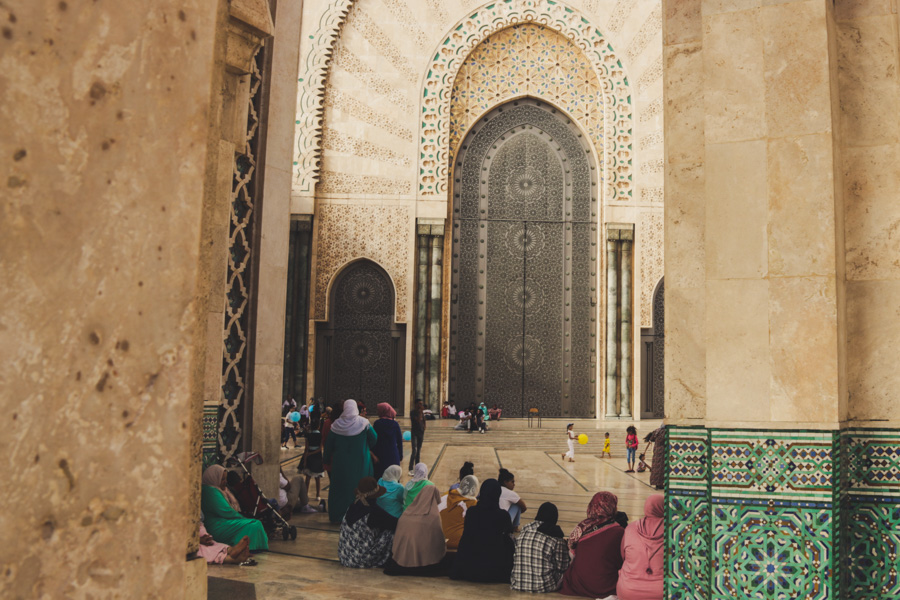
(414, 486)
(392, 500)
(459, 500)
(347, 450)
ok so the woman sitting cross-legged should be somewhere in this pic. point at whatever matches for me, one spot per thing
(641, 575)
(220, 510)
(416, 484)
(367, 531)
(459, 501)
(595, 543)
(392, 500)
(542, 554)
(419, 547)
(485, 552)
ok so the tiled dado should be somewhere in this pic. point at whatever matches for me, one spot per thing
(870, 506)
(752, 514)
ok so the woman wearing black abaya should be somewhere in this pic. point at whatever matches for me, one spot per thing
(486, 549)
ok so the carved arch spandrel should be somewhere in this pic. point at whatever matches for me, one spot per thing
(468, 34)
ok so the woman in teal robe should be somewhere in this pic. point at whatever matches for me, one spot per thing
(223, 522)
(348, 451)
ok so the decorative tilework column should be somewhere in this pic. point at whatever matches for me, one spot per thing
(870, 514)
(434, 317)
(619, 265)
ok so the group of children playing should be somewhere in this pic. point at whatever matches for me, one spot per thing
(631, 446)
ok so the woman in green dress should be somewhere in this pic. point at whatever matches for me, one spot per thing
(222, 521)
(347, 450)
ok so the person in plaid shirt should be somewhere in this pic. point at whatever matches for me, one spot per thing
(542, 554)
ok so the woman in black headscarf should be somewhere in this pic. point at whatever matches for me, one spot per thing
(486, 549)
(542, 554)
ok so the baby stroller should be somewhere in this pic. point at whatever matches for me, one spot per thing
(254, 504)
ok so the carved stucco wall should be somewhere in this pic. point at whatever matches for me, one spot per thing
(650, 242)
(394, 64)
(373, 70)
(346, 233)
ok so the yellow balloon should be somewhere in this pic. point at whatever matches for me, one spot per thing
(582, 439)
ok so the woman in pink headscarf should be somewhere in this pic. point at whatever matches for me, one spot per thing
(594, 545)
(641, 575)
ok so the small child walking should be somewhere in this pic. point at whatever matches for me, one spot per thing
(570, 439)
(311, 465)
(631, 445)
(606, 452)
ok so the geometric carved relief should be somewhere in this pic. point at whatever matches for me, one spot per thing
(650, 239)
(347, 232)
(451, 53)
(311, 87)
(527, 59)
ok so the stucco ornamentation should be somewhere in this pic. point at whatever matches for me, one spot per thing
(345, 234)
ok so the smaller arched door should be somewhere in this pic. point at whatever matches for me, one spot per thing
(653, 343)
(360, 351)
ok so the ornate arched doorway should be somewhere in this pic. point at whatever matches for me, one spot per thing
(653, 344)
(524, 275)
(360, 350)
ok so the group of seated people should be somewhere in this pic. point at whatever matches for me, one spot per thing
(469, 534)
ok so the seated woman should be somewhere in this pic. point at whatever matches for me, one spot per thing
(542, 554)
(367, 531)
(419, 547)
(416, 484)
(223, 522)
(641, 575)
(392, 500)
(494, 413)
(485, 552)
(595, 546)
(459, 500)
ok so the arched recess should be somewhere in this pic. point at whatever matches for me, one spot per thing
(653, 343)
(436, 153)
(360, 350)
(524, 266)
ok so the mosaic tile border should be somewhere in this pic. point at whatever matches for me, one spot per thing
(782, 514)
(870, 514)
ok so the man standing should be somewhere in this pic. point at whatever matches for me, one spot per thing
(417, 433)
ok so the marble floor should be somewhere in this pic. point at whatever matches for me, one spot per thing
(307, 567)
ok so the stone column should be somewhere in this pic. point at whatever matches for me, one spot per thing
(422, 286)
(752, 89)
(434, 352)
(612, 301)
(625, 325)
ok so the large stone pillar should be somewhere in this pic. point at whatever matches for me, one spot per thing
(755, 310)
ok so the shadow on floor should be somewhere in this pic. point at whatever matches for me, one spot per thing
(227, 589)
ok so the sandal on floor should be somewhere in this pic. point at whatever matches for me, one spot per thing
(250, 562)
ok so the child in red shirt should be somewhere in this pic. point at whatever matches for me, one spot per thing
(631, 445)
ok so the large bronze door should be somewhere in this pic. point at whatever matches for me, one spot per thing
(524, 282)
(360, 350)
